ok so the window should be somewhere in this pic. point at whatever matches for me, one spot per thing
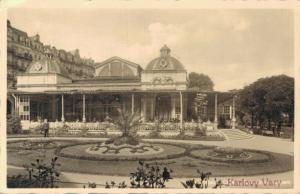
(24, 108)
(226, 109)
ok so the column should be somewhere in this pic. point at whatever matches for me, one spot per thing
(143, 109)
(83, 108)
(233, 120)
(181, 110)
(53, 108)
(17, 105)
(216, 112)
(173, 105)
(132, 103)
(153, 101)
(28, 99)
(62, 109)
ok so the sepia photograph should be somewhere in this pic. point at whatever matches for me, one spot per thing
(150, 98)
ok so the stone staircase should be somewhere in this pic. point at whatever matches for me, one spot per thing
(235, 134)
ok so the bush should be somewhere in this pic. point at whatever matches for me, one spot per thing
(62, 130)
(13, 124)
(40, 175)
(147, 176)
(199, 132)
(203, 182)
(39, 129)
(124, 139)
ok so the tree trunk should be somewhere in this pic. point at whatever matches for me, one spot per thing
(252, 120)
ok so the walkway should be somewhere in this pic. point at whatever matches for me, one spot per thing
(235, 134)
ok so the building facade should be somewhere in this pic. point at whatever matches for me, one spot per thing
(50, 87)
(23, 49)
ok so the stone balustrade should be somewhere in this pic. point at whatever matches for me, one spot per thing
(102, 127)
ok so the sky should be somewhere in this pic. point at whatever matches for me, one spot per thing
(233, 47)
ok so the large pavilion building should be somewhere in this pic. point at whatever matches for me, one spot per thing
(159, 92)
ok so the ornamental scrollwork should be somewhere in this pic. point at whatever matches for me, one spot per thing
(163, 80)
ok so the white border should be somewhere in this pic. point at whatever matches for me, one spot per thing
(148, 4)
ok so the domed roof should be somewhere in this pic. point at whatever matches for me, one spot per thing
(45, 65)
(165, 62)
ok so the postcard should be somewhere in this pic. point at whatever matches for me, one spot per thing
(164, 96)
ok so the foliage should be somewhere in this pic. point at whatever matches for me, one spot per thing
(113, 184)
(266, 101)
(202, 183)
(155, 133)
(200, 131)
(126, 123)
(62, 130)
(39, 175)
(128, 139)
(200, 82)
(147, 176)
(13, 124)
(35, 144)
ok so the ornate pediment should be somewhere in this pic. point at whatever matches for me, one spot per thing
(163, 80)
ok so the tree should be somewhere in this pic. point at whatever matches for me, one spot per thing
(126, 122)
(267, 100)
(200, 82)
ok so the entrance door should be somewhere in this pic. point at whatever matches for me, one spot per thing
(163, 107)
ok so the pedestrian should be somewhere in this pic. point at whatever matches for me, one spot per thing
(46, 128)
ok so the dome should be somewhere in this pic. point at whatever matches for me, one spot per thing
(165, 62)
(45, 65)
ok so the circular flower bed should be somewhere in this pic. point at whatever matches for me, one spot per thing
(124, 150)
(33, 144)
(103, 152)
(231, 155)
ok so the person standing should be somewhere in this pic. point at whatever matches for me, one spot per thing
(46, 128)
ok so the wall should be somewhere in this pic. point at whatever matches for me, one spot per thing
(164, 80)
(39, 82)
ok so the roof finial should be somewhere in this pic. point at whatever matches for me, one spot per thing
(164, 51)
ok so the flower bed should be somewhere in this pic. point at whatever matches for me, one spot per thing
(230, 155)
(33, 144)
(78, 151)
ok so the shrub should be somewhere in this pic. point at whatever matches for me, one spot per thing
(124, 139)
(40, 175)
(13, 124)
(199, 132)
(202, 183)
(147, 176)
(62, 130)
(37, 129)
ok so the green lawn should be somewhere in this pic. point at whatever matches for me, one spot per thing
(184, 166)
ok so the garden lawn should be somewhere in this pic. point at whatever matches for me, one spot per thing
(184, 166)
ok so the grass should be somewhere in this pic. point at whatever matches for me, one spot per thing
(183, 166)
(180, 137)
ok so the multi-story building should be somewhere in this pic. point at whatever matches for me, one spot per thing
(23, 49)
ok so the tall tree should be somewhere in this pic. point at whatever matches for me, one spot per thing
(200, 82)
(268, 99)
